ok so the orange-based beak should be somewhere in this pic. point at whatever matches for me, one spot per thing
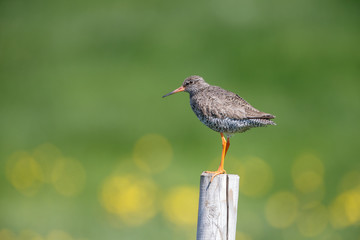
(180, 89)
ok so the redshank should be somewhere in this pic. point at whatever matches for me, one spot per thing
(222, 111)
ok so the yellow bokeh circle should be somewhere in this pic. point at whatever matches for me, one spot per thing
(307, 173)
(311, 198)
(46, 155)
(256, 177)
(345, 210)
(281, 209)
(312, 221)
(68, 176)
(181, 205)
(24, 173)
(130, 198)
(152, 153)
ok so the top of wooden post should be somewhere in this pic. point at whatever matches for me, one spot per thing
(217, 206)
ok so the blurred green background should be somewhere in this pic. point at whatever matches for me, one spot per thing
(89, 150)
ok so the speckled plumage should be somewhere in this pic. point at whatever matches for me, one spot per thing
(222, 110)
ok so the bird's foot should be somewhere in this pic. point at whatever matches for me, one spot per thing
(217, 172)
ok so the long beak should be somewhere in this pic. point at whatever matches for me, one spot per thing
(180, 89)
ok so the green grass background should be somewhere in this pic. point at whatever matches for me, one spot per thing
(88, 76)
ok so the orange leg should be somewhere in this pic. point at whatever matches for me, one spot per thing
(225, 147)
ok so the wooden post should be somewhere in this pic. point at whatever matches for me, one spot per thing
(217, 207)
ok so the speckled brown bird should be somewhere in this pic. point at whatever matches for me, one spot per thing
(222, 111)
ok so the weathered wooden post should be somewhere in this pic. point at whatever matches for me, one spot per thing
(218, 207)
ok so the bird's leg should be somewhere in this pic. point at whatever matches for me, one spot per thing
(223, 154)
(225, 147)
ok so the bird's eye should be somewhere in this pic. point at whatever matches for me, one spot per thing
(191, 82)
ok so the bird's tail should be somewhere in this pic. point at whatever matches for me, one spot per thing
(263, 116)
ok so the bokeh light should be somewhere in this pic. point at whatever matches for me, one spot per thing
(256, 177)
(281, 209)
(181, 205)
(345, 209)
(24, 173)
(307, 173)
(312, 220)
(311, 198)
(68, 176)
(46, 155)
(131, 198)
(28, 172)
(153, 153)
(82, 81)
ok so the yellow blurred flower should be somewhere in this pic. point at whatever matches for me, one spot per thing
(281, 209)
(345, 209)
(181, 205)
(256, 177)
(130, 198)
(313, 220)
(68, 176)
(46, 155)
(24, 173)
(307, 173)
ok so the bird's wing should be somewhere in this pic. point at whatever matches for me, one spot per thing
(225, 104)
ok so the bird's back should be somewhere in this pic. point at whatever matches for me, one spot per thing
(225, 111)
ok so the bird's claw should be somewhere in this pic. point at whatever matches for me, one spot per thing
(218, 172)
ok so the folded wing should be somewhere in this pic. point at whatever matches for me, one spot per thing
(226, 104)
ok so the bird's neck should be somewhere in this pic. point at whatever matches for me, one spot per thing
(199, 89)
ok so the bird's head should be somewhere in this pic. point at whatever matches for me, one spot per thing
(191, 85)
